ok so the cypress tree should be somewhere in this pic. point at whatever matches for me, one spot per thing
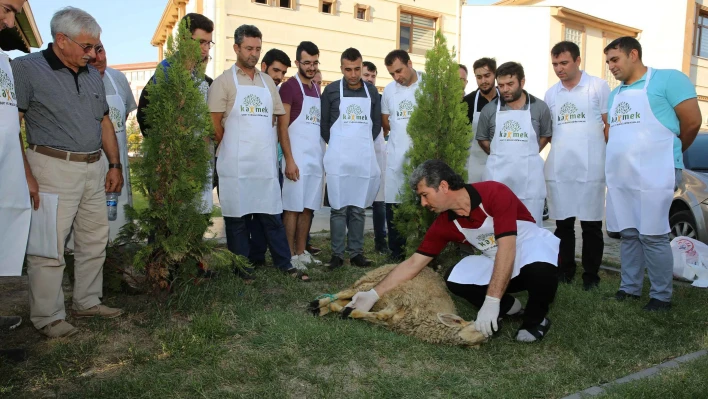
(439, 129)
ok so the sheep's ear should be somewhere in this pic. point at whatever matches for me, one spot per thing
(451, 320)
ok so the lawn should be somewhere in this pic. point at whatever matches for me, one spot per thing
(225, 339)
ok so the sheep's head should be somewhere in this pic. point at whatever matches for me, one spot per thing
(461, 332)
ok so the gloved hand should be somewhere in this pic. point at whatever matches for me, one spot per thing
(364, 301)
(487, 316)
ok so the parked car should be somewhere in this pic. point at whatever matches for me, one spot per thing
(688, 215)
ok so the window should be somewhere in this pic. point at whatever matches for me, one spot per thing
(261, 1)
(701, 38)
(361, 12)
(575, 36)
(327, 7)
(417, 33)
(141, 75)
(285, 3)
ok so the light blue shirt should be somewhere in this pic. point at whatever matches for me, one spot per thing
(667, 89)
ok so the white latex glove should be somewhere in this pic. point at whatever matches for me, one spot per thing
(487, 316)
(365, 300)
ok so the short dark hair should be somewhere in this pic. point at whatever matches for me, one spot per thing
(490, 63)
(308, 47)
(564, 46)
(198, 21)
(350, 54)
(463, 67)
(244, 31)
(435, 171)
(276, 55)
(397, 54)
(511, 68)
(626, 44)
(370, 66)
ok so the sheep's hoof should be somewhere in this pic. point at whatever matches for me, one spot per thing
(346, 312)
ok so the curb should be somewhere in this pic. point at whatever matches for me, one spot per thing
(646, 373)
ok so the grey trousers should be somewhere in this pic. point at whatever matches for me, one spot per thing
(354, 231)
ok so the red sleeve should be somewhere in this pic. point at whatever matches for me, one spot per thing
(436, 238)
(287, 92)
(502, 205)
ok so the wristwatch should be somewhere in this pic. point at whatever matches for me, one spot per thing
(115, 165)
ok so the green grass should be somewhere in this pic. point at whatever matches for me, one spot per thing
(225, 339)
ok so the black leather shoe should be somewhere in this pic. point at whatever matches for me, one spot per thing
(360, 260)
(335, 263)
(621, 296)
(656, 305)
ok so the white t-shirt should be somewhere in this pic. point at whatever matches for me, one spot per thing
(599, 95)
(393, 88)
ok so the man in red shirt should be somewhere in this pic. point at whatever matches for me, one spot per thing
(516, 255)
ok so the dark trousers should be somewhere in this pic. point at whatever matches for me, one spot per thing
(396, 241)
(539, 279)
(379, 210)
(239, 242)
(593, 246)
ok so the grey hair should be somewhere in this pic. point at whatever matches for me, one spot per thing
(244, 31)
(72, 22)
(434, 171)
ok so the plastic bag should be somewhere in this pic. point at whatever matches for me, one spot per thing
(690, 260)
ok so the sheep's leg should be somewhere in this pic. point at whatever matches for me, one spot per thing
(380, 317)
(331, 303)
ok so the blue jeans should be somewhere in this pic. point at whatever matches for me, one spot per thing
(353, 229)
(653, 253)
(239, 242)
(396, 242)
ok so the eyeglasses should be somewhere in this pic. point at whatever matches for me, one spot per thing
(208, 43)
(87, 47)
(308, 64)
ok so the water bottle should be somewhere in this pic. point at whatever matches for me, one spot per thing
(112, 205)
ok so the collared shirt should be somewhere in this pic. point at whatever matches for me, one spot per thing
(599, 92)
(498, 201)
(540, 118)
(667, 89)
(330, 107)
(469, 99)
(123, 86)
(222, 93)
(394, 87)
(62, 109)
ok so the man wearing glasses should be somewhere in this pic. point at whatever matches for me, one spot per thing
(63, 102)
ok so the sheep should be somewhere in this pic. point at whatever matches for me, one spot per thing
(420, 307)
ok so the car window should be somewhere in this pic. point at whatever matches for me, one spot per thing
(696, 156)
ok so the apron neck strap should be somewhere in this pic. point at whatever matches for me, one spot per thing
(528, 101)
(341, 89)
(113, 83)
(258, 73)
(646, 83)
(302, 87)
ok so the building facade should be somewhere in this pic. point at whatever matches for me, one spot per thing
(374, 27)
(138, 75)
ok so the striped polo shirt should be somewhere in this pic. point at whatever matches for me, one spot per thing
(62, 109)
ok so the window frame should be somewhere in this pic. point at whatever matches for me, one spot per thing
(436, 17)
(697, 37)
(367, 12)
(333, 5)
(291, 7)
(267, 3)
(583, 39)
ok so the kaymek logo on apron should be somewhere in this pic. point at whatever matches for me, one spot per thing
(623, 115)
(115, 116)
(511, 131)
(253, 106)
(313, 116)
(355, 114)
(569, 113)
(486, 241)
(405, 109)
(7, 88)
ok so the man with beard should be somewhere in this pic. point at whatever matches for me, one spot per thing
(513, 129)
(397, 105)
(302, 189)
(484, 70)
(244, 103)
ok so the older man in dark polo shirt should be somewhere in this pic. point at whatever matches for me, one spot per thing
(63, 102)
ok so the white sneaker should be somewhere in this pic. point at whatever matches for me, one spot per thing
(297, 263)
(307, 259)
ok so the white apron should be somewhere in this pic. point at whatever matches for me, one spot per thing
(380, 151)
(15, 205)
(398, 144)
(639, 167)
(477, 159)
(514, 159)
(308, 150)
(117, 115)
(533, 244)
(575, 168)
(353, 176)
(248, 175)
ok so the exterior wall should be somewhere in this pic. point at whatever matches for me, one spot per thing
(699, 70)
(525, 38)
(137, 74)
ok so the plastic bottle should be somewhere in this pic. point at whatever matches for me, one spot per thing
(112, 205)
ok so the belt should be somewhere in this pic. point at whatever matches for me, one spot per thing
(90, 157)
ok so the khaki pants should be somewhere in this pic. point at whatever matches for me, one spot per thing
(82, 204)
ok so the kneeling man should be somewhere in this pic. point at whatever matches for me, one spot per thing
(517, 255)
